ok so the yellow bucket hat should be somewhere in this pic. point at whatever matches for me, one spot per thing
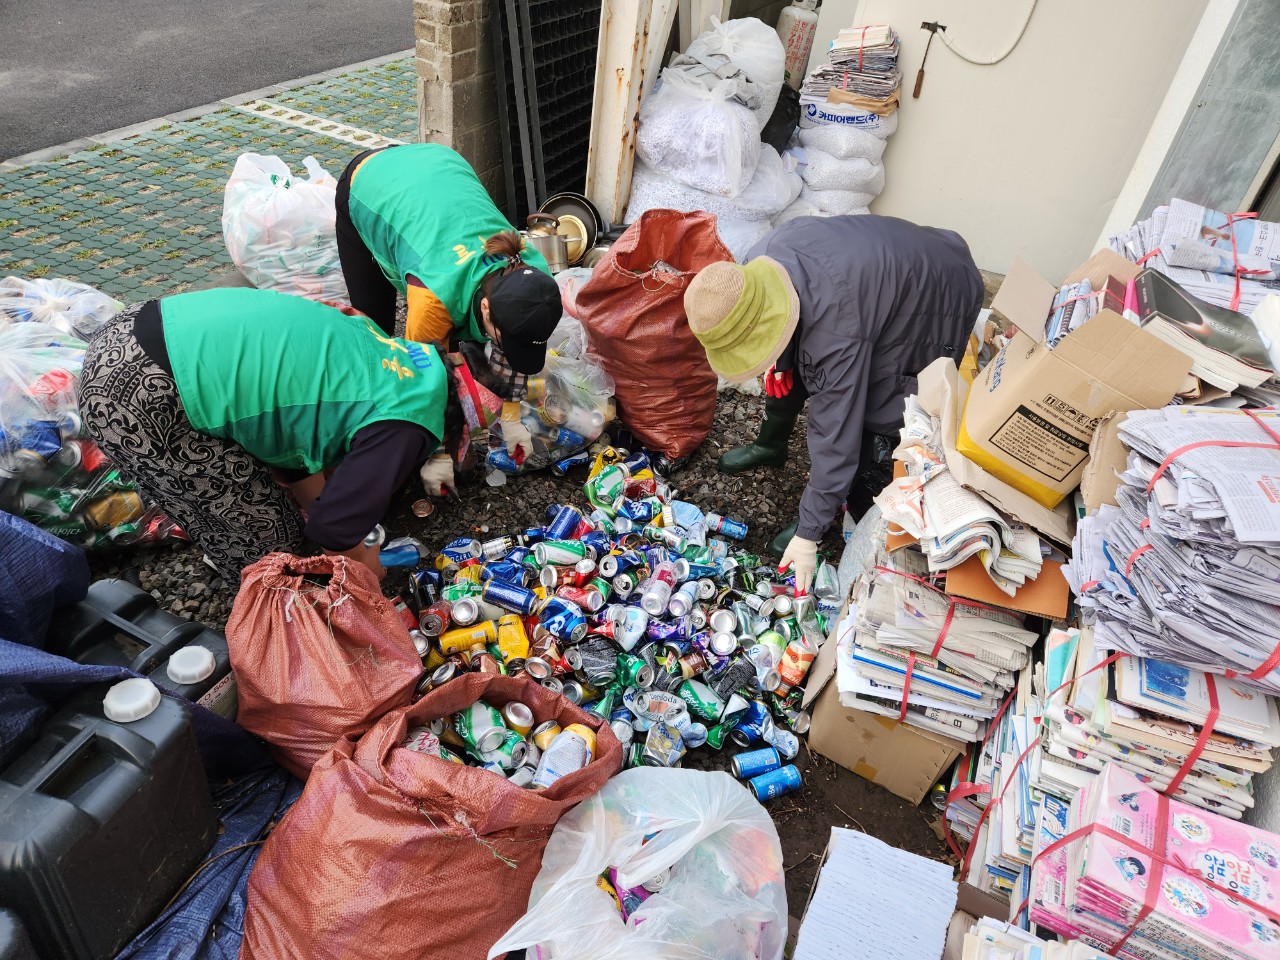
(744, 315)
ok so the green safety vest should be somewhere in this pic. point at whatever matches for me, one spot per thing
(292, 380)
(422, 210)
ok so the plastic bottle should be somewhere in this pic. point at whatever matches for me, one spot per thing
(572, 749)
(796, 26)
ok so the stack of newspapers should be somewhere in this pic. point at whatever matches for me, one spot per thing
(861, 69)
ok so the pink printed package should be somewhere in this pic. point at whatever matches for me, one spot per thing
(1107, 880)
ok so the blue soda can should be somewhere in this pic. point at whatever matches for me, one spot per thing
(39, 438)
(510, 571)
(407, 554)
(462, 549)
(501, 460)
(752, 764)
(698, 571)
(561, 467)
(612, 564)
(518, 555)
(640, 511)
(597, 541)
(532, 535)
(751, 725)
(677, 628)
(510, 596)
(564, 524)
(775, 783)
(563, 437)
(730, 528)
(564, 619)
(636, 462)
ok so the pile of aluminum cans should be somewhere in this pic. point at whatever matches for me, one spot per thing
(637, 607)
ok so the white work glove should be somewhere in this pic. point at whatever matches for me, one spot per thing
(437, 475)
(515, 433)
(802, 557)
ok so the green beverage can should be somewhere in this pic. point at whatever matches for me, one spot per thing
(634, 754)
(480, 726)
(634, 672)
(460, 590)
(702, 700)
(775, 642)
(605, 489)
(560, 553)
(719, 734)
(508, 754)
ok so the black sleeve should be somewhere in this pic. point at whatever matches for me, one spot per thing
(355, 499)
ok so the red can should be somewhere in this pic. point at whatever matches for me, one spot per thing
(589, 600)
(639, 489)
(406, 615)
(435, 619)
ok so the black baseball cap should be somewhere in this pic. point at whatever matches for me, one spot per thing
(525, 306)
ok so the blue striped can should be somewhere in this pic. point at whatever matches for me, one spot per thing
(462, 549)
(564, 524)
(755, 762)
(775, 783)
(510, 596)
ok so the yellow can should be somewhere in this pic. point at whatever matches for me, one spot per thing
(471, 572)
(464, 638)
(433, 658)
(586, 733)
(113, 510)
(545, 733)
(513, 642)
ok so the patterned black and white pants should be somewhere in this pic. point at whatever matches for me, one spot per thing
(224, 499)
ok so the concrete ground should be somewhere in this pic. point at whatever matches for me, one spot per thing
(75, 69)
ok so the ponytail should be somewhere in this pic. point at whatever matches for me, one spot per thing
(505, 244)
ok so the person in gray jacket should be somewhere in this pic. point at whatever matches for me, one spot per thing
(843, 312)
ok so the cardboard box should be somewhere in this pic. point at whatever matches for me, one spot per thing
(1032, 411)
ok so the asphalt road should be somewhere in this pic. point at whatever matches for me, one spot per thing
(73, 68)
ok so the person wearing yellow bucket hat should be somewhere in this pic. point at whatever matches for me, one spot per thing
(842, 312)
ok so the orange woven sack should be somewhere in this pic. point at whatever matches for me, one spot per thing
(314, 661)
(632, 307)
(398, 855)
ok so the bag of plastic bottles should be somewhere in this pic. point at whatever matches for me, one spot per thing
(279, 229)
(695, 868)
(394, 853)
(71, 308)
(51, 473)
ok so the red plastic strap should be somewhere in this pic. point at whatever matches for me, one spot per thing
(1202, 741)
(1135, 555)
(1155, 252)
(1187, 448)
(986, 811)
(1235, 257)
(906, 684)
(862, 42)
(1089, 585)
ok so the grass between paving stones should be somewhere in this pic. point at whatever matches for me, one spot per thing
(766, 499)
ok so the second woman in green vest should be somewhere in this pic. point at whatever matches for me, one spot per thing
(197, 396)
(415, 219)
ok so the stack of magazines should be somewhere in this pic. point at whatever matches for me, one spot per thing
(861, 70)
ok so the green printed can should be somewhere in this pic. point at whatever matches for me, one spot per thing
(481, 728)
(702, 700)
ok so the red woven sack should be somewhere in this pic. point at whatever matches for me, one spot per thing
(398, 855)
(632, 307)
(314, 662)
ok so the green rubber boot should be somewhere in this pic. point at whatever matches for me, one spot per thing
(768, 449)
(778, 545)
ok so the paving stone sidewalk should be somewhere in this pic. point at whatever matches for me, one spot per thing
(137, 212)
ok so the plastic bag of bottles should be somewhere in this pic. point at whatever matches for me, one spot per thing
(565, 411)
(74, 309)
(51, 473)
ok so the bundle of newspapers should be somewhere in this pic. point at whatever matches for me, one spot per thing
(1186, 567)
(992, 940)
(890, 661)
(861, 70)
(1213, 255)
(1149, 879)
(950, 522)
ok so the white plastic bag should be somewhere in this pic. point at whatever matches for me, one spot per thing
(844, 143)
(844, 115)
(838, 203)
(800, 207)
(279, 229)
(69, 307)
(699, 137)
(741, 235)
(822, 171)
(725, 898)
(754, 48)
(771, 189)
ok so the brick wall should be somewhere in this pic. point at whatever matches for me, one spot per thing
(457, 105)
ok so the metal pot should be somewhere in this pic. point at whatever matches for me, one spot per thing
(542, 236)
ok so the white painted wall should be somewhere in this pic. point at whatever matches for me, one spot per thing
(1025, 158)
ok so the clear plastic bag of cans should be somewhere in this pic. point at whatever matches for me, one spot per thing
(74, 309)
(659, 865)
(566, 409)
(51, 473)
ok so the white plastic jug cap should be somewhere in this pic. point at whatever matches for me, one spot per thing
(191, 664)
(131, 700)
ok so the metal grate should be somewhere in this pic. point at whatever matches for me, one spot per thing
(545, 55)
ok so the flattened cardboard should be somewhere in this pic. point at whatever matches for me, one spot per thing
(942, 393)
(904, 760)
(1107, 458)
(1046, 596)
(1032, 411)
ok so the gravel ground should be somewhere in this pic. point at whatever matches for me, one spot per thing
(765, 499)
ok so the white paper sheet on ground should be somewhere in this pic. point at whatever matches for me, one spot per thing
(876, 901)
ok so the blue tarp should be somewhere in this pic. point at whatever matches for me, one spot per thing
(38, 573)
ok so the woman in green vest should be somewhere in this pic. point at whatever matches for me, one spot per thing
(198, 396)
(415, 219)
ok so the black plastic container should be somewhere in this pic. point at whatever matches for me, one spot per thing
(100, 824)
(120, 625)
(14, 942)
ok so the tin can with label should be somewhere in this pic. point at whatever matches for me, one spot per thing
(632, 671)
(535, 668)
(692, 664)
(680, 628)
(513, 642)
(750, 727)
(509, 571)
(435, 619)
(737, 675)
(702, 700)
(465, 612)
(756, 762)
(729, 528)
(483, 661)
(572, 691)
(605, 489)
(784, 741)
(510, 596)
(589, 600)
(563, 523)
(464, 638)
(480, 726)
(544, 733)
(509, 754)
(683, 599)
(462, 549)
(559, 552)
(775, 783)
(664, 746)
(563, 619)
(522, 776)
(552, 577)
(572, 749)
(595, 660)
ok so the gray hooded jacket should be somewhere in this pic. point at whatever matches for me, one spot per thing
(880, 299)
